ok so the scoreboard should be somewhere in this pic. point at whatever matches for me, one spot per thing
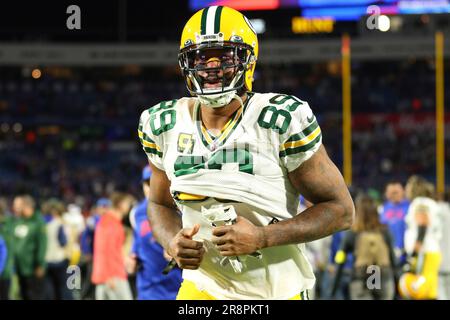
(338, 10)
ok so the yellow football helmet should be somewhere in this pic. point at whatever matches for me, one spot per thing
(415, 287)
(422, 284)
(218, 53)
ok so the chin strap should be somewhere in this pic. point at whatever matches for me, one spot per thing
(218, 100)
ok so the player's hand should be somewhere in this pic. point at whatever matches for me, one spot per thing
(167, 256)
(39, 272)
(187, 253)
(111, 283)
(241, 238)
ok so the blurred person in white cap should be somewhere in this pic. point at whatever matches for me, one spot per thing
(56, 255)
(422, 242)
(444, 270)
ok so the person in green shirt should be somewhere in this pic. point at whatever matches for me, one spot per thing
(30, 244)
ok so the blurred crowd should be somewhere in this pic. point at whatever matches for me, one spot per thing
(57, 251)
(57, 131)
(398, 248)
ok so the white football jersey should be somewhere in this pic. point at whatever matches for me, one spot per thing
(245, 166)
(433, 233)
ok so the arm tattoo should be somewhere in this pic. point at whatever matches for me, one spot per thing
(319, 181)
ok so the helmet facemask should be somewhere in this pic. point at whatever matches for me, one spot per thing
(214, 72)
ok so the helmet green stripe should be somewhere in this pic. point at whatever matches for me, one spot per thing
(217, 19)
(203, 21)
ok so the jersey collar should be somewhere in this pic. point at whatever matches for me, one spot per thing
(210, 141)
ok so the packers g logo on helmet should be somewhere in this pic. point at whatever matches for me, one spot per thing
(413, 286)
(227, 32)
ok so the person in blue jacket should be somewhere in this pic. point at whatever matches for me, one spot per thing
(147, 257)
(87, 247)
(87, 236)
(3, 254)
(393, 215)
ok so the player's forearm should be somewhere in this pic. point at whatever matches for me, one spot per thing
(314, 223)
(165, 222)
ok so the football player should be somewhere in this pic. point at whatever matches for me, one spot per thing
(228, 148)
(422, 242)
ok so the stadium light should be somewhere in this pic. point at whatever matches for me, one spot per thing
(259, 25)
(384, 23)
(17, 127)
(36, 73)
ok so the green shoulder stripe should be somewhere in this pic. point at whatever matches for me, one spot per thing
(143, 136)
(304, 133)
(153, 151)
(306, 147)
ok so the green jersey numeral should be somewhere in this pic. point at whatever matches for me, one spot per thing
(167, 118)
(188, 164)
(275, 114)
(278, 119)
(163, 106)
(280, 99)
